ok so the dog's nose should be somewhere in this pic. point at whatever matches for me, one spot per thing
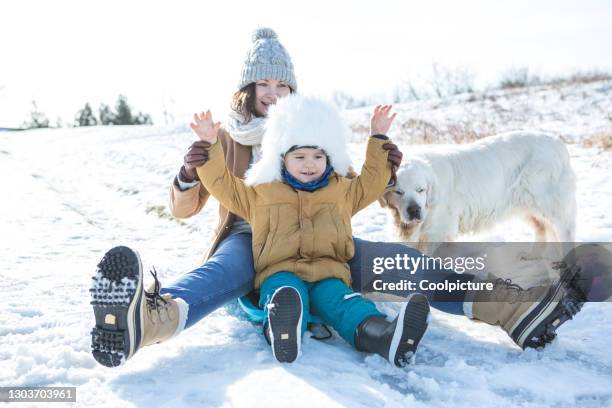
(414, 211)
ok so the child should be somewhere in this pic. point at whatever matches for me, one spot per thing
(299, 204)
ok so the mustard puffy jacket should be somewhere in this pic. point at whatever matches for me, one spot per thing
(307, 233)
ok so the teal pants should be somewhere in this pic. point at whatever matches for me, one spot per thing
(330, 299)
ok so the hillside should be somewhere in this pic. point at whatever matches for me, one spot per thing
(71, 194)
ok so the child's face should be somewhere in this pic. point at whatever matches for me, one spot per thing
(267, 92)
(306, 164)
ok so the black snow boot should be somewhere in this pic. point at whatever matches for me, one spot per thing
(283, 329)
(127, 317)
(398, 340)
(588, 270)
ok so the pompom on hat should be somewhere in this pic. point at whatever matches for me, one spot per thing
(267, 59)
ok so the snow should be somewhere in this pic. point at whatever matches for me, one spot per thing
(71, 194)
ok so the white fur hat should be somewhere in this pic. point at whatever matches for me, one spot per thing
(298, 120)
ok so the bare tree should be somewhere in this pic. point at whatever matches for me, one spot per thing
(345, 101)
(518, 78)
(451, 81)
(407, 91)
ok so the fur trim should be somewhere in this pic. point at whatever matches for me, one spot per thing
(302, 121)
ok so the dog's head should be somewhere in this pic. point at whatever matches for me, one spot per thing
(413, 195)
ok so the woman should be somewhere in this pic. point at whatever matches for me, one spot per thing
(127, 317)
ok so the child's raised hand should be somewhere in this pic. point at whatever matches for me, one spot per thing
(205, 128)
(381, 121)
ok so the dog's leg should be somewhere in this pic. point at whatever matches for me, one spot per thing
(565, 234)
(558, 234)
(542, 230)
(428, 244)
(563, 217)
(565, 231)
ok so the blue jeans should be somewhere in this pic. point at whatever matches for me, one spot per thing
(330, 299)
(440, 300)
(229, 274)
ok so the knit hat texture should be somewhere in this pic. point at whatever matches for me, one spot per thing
(267, 59)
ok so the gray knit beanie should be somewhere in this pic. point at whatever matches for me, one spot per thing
(267, 59)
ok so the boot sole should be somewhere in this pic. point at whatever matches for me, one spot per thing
(539, 326)
(285, 324)
(411, 326)
(116, 297)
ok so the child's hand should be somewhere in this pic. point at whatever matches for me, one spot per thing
(381, 121)
(205, 128)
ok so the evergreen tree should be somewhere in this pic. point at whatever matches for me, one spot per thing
(85, 117)
(37, 119)
(122, 115)
(143, 119)
(124, 112)
(107, 117)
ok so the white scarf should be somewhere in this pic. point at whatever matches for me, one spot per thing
(248, 134)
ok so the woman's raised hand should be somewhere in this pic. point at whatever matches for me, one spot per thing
(205, 128)
(381, 121)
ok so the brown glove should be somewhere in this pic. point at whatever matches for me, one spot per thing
(395, 155)
(197, 155)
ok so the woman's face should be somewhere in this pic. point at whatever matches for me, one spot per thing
(267, 92)
(306, 164)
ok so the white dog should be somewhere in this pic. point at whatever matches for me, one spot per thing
(443, 191)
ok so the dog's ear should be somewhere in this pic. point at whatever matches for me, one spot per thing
(384, 198)
(390, 189)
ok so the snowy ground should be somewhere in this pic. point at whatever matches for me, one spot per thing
(71, 194)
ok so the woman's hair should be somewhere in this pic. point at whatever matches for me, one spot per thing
(243, 102)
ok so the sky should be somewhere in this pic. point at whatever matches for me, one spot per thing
(186, 56)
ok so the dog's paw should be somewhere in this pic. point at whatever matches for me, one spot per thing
(529, 256)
